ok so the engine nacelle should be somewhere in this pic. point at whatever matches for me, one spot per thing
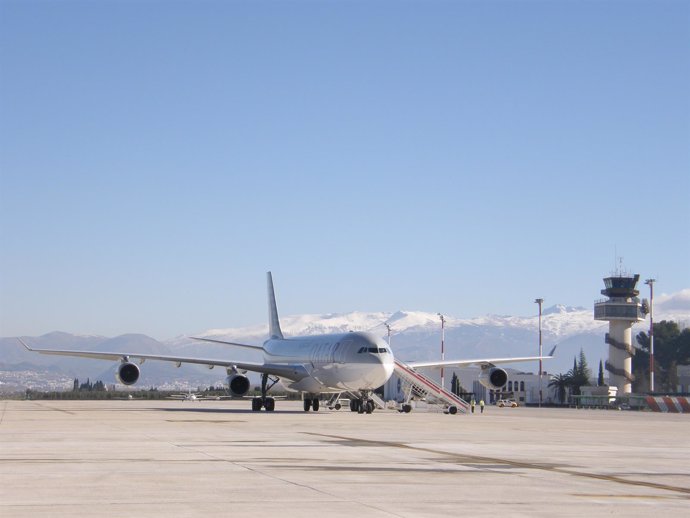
(127, 373)
(493, 377)
(238, 384)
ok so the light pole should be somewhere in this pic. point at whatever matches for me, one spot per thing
(540, 302)
(389, 333)
(443, 338)
(650, 283)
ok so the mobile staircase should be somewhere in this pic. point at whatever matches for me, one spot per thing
(420, 386)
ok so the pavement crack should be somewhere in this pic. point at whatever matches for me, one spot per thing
(513, 463)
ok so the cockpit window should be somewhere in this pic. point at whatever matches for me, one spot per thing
(374, 350)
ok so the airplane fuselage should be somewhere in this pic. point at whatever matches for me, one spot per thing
(335, 362)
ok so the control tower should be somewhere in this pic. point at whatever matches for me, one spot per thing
(622, 309)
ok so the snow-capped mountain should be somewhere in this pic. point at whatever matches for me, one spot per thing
(415, 335)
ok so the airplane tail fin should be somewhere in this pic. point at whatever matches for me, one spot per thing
(273, 322)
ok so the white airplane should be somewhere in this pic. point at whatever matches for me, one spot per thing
(354, 362)
(192, 396)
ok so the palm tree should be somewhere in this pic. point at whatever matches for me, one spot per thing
(561, 382)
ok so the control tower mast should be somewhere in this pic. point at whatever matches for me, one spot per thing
(622, 309)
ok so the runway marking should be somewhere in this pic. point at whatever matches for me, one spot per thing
(513, 463)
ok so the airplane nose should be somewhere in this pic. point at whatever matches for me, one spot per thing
(388, 368)
(384, 369)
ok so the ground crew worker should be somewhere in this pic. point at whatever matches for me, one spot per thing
(481, 405)
(472, 405)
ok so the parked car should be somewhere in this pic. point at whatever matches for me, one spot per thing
(506, 402)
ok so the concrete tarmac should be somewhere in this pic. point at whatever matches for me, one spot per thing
(217, 458)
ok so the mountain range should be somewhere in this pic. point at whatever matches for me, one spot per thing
(415, 335)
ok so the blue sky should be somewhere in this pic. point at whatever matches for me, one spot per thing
(156, 158)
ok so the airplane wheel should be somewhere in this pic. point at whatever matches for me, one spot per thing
(452, 410)
(270, 404)
(337, 406)
(407, 408)
(256, 404)
(307, 404)
(360, 406)
(353, 405)
(315, 404)
(370, 406)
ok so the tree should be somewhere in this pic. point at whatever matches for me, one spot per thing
(561, 382)
(671, 348)
(600, 377)
(580, 374)
(455, 386)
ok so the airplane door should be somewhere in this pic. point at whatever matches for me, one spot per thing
(337, 353)
(340, 352)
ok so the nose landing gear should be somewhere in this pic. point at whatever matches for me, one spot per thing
(363, 404)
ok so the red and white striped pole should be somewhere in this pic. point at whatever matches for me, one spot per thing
(443, 354)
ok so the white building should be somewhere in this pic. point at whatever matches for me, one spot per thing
(521, 386)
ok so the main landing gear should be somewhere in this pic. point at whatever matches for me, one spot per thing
(265, 401)
(311, 403)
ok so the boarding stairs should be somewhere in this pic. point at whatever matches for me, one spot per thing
(377, 400)
(421, 386)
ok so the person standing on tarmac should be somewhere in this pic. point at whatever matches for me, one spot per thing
(481, 405)
(472, 403)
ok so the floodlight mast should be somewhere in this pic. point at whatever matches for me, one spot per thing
(650, 283)
(388, 327)
(443, 337)
(540, 302)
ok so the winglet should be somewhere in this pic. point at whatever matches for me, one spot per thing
(24, 344)
(273, 321)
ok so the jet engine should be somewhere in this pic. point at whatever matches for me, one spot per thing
(493, 377)
(127, 373)
(238, 384)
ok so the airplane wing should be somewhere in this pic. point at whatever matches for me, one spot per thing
(294, 372)
(484, 362)
(227, 343)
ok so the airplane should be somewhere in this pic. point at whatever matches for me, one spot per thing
(354, 362)
(192, 396)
